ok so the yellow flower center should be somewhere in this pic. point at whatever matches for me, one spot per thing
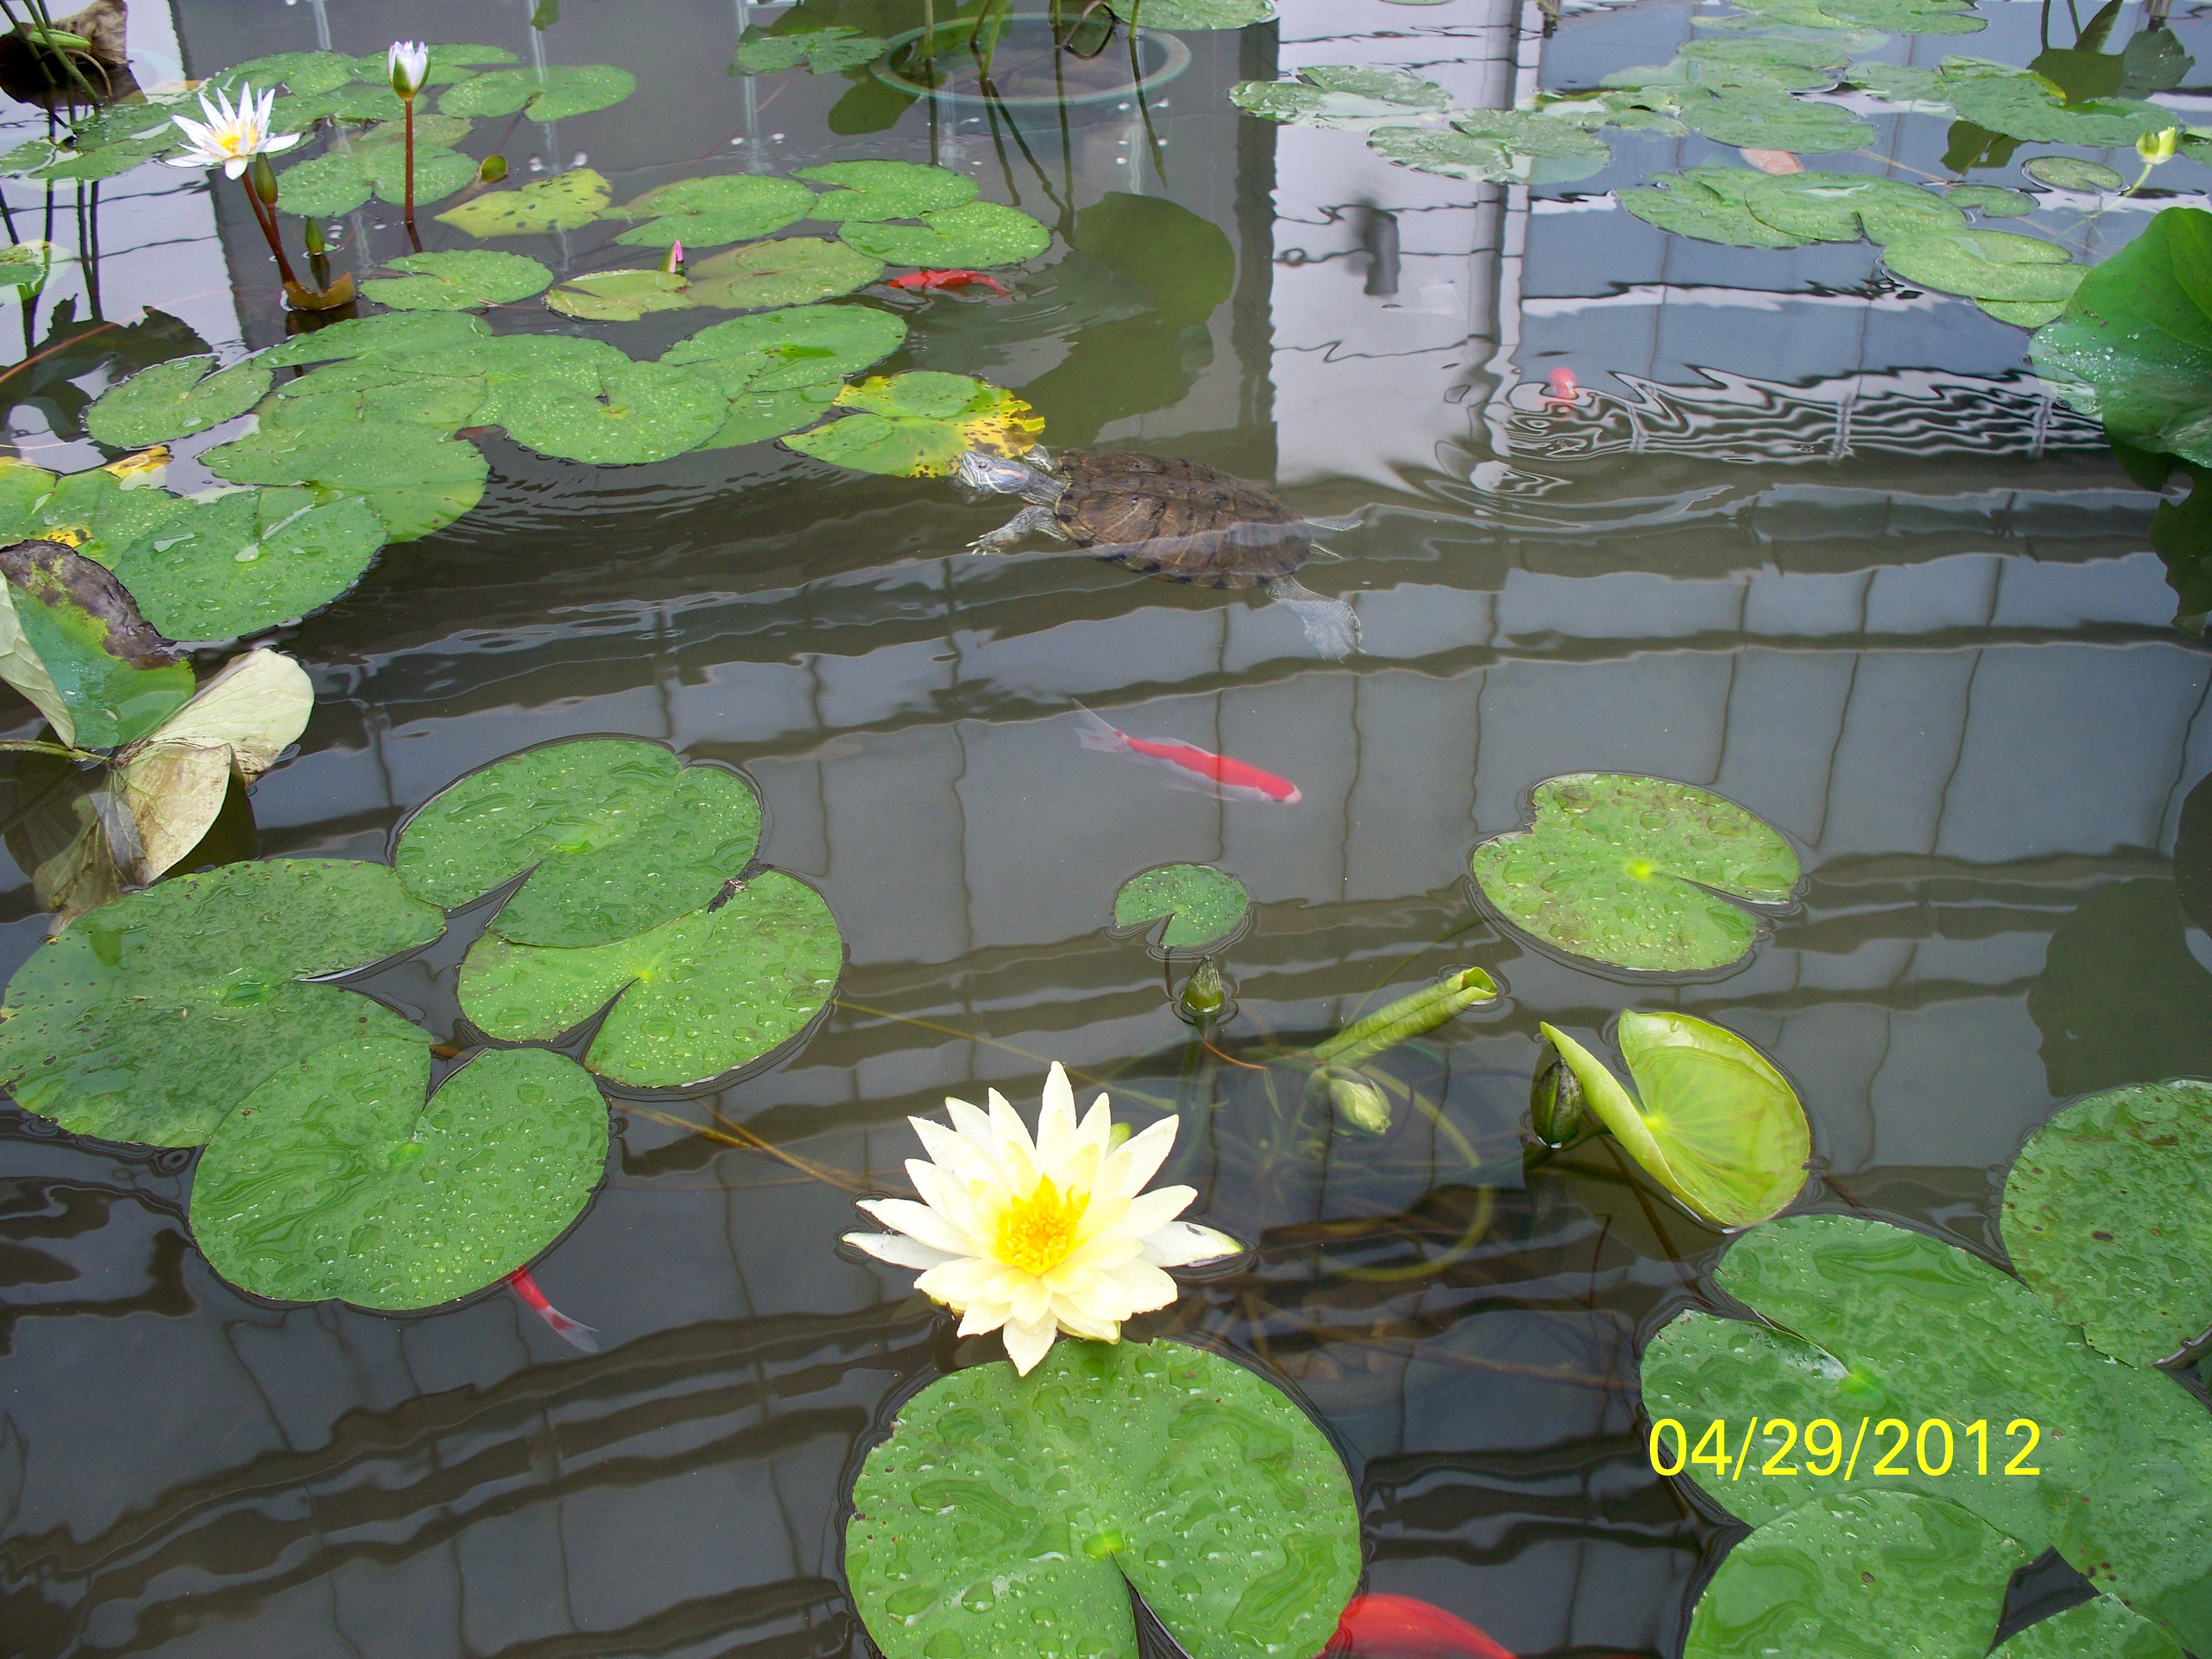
(1037, 1233)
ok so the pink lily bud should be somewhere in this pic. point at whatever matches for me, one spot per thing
(675, 260)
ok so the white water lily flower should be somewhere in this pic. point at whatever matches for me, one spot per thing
(230, 138)
(1037, 1236)
(407, 62)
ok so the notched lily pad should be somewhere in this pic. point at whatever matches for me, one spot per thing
(829, 51)
(1010, 1516)
(149, 1019)
(694, 997)
(175, 399)
(567, 201)
(619, 835)
(1632, 871)
(2071, 173)
(335, 1179)
(701, 212)
(1710, 204)
(1836, 207)
(1201, 906)
(550, 94)
(619, 296)
(783, 351)
(884, 190)
(1985, 265)
(639, 412)
(790, 271)
(918, 425)
(457, 281)
(1342, 96)
(2105, 1212)
(978, 234)
(416, 479)
(249, 561)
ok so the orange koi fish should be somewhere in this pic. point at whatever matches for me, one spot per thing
(1401, 1627)
(574, 1332)
(1190, 767)
(923, 281)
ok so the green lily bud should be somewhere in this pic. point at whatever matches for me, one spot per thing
(1555, 1101)
(1356, 1099)
(262, 179)
(492, 170)
(2157, 146)
(1204, 997)
(1408, 1016)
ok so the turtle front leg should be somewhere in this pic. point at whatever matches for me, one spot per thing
(1018, 528)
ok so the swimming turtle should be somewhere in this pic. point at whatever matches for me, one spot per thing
(1178, 519)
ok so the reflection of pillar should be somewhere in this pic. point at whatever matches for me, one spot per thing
(1251, 335)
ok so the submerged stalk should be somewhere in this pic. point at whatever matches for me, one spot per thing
(1408, 1016)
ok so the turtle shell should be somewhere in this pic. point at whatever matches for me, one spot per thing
(1181, 520)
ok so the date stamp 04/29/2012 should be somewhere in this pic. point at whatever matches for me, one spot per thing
(1828, 1452)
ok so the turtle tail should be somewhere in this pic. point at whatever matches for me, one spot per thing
(1331, 625)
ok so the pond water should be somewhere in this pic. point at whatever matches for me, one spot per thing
(1789, 528)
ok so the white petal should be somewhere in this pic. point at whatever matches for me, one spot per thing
(1108, 1250)
(1078, 1324)
(1185, 1244)
(982, 1318)
(194, 160)
(1150, 1211)
(282, 141)
(1027, 1344)
(897, 1249)
(958, 1284)
(232, 168)
(1096, 1130)
(1055, 1136)
(1009, 1130)
(1146, 1285)
(1032, 1303)
(1138, 1159)
(1104, 1214)
(918, 1222)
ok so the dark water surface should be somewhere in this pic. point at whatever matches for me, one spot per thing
(1817, 542)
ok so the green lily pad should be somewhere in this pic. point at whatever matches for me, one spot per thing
(1719, 1127)
(1873, 1573)
(401, 333)
(918, 425)
(374, 391)
(1012, 1515)
(1985, 265)
(336, 1180)
(619, 835)
(755, 417)
(150, 1019)
(1195, 14)
(1774, 120)
(438, 171)
(1544, 136)
(783, 351)
(250, 560)
(306, 73)
(1903, 83)
(792, 270)
(112, 677)
(825, 51)
(727, 208)
(1834, 206)
(2105, 1213)
(1343, 97)
(457, 281)
(1630, 871)
(694, 997)
(567, 201)
(1451, 154)
(1707, 202)
(324, 186)
(2070, 173)
(26, 264)
(619, 296)
(884, 190)
(1876, 1323)
(2138, 334)
(450, 61)
(1906, 17)
(2024, 313)
(1201, 906)
(980, 234)
(2023, 104)
(551, 94)
(639, 412)
(416, 479)
(172, 401)
(1991, 201)
(2101, 1629)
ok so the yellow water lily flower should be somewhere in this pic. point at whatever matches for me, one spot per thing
(1037, 1236)
(231, 137)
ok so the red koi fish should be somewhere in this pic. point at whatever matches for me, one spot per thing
(921, 281)
(1561, 390)
(1190, 767)
(1400, 1627)
(574, 1332)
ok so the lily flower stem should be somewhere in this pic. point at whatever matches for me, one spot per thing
(265, 216)
(410, 103)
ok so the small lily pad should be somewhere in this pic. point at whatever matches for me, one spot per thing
(1451, 154)
(336, 1180)
(1835, 206)
(727, 208)
(554, 94)
(979, 234)
(1991, 201)
(1772, 119)
(1201, 906)
(1710, 204)
(173, 400)
(1012, 1516)
(884, 190)
(2104, 1213)
(918, 425)
(1630, 871)
(825, 51)
(416, 479)
(792, 270)
(1860, 1573)
(567, 201)
(619, 835)
(113, 677)
(149, 1019)
(619, 296)
(783, 351)
(694, 997)
(2071, 173)
(639, 412)
(1342, 96)
(2024, 313)
(1718, 1126)
(1985, 265)
(26, 264)
(457, 281)
(224, 570)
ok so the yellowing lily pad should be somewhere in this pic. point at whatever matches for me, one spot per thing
(884, 190)
(175, 399)
(918, 425)
(619, 296)
(1632, 872)
(978, 234)
(336, 1180)
(567, 201)
(72, 640)
(1719, 1127)
(694, 998)
(457, 281)
(617, 834)
(554, 94)
(149, 1019)
(1012, 1516)
(790, 271)
(701, 212)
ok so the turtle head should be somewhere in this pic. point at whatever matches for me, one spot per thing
(994, 475)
